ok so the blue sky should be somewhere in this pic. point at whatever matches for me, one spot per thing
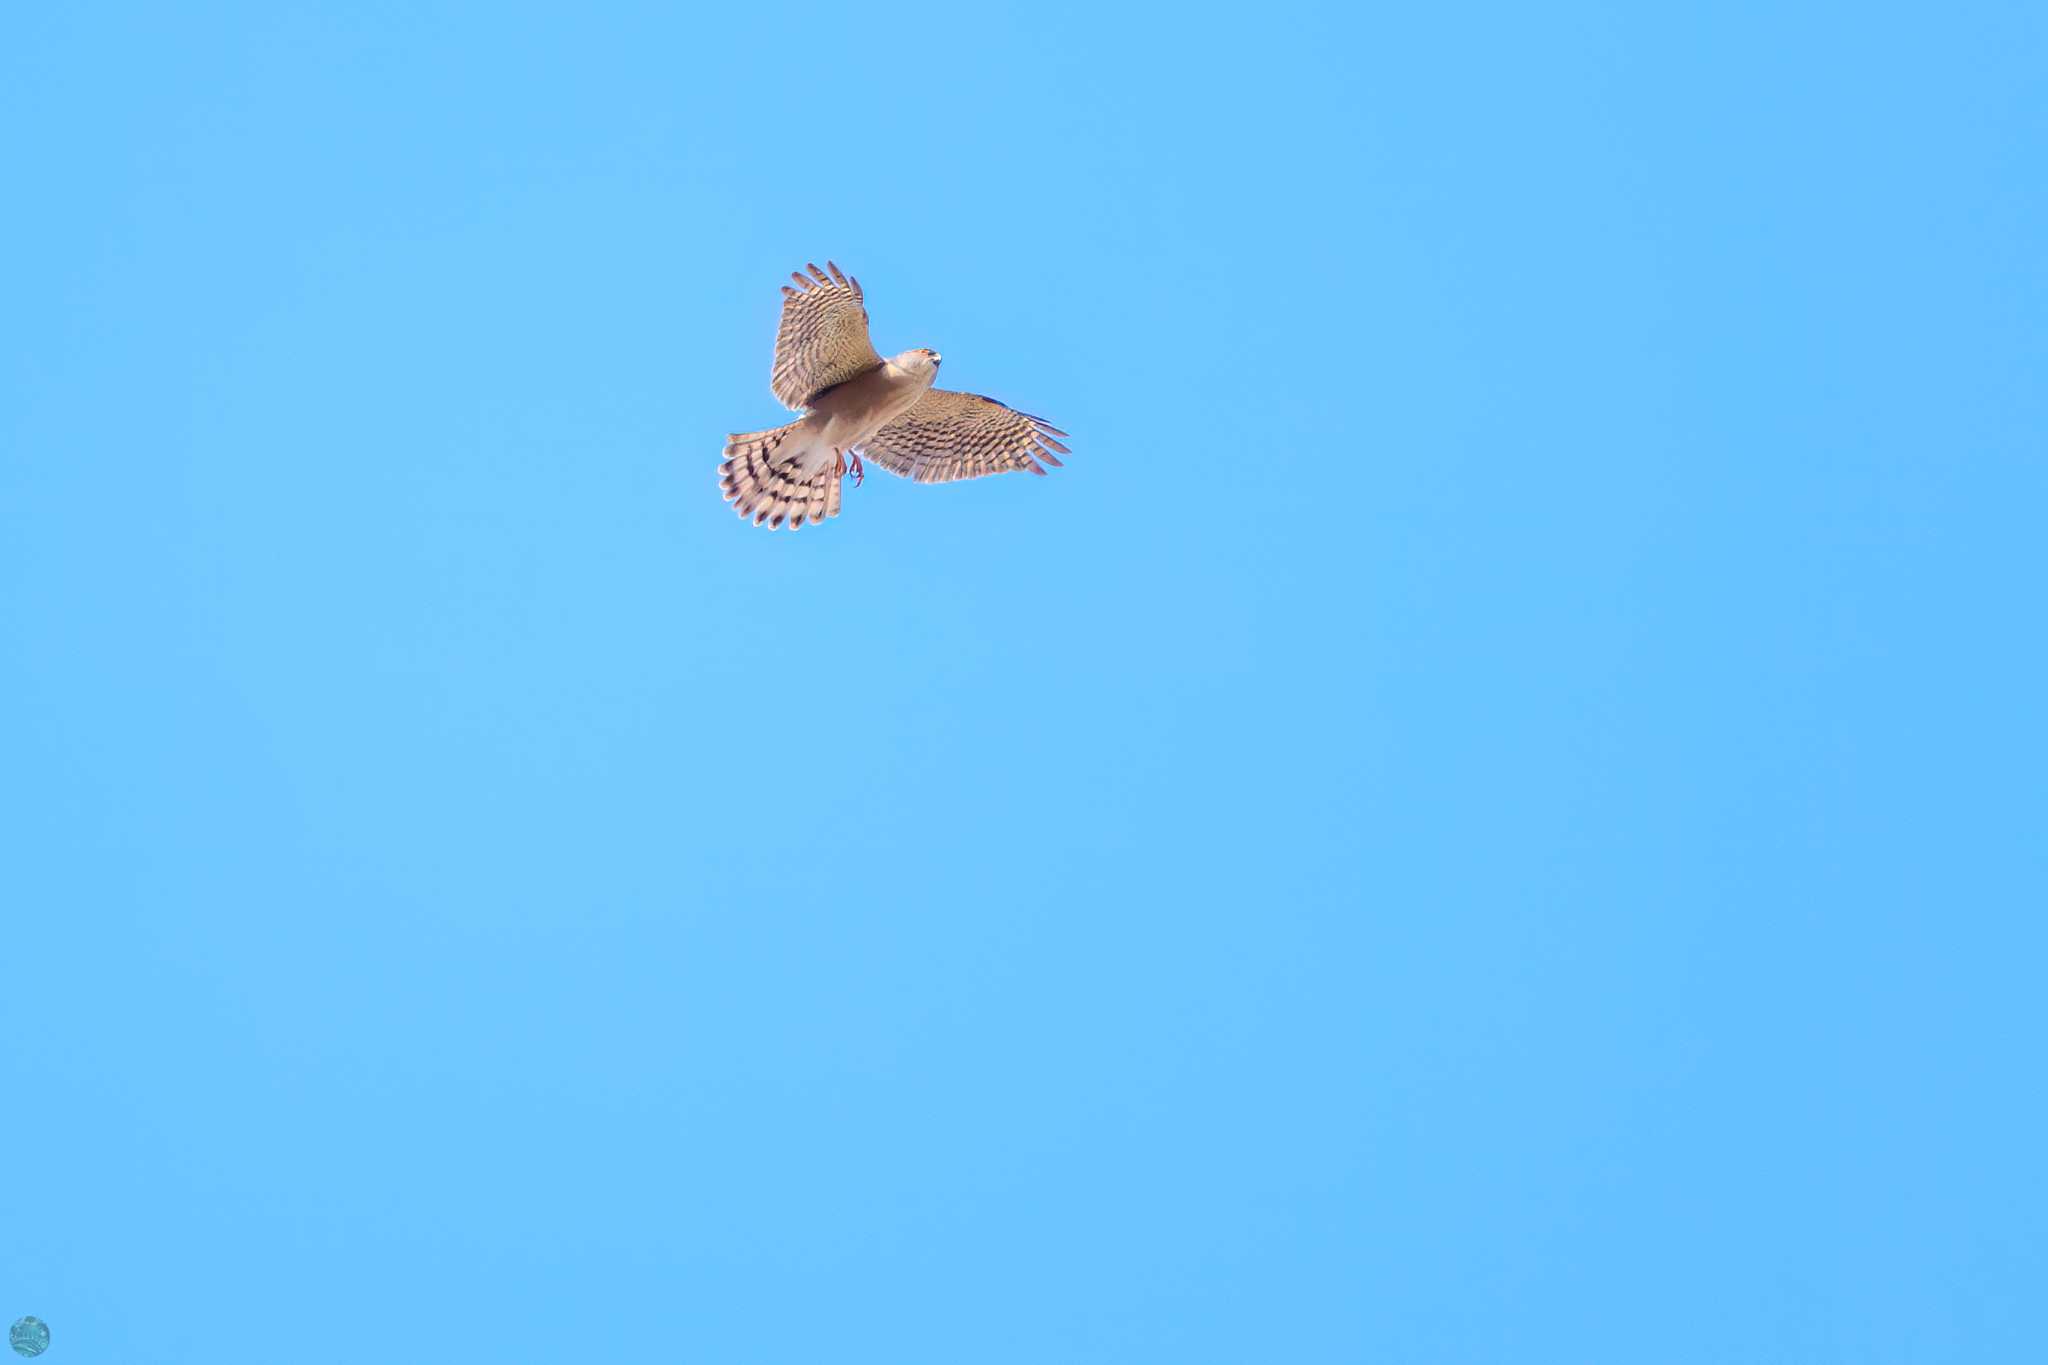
(1494, 811)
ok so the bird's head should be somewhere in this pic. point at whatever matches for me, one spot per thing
(922, 362)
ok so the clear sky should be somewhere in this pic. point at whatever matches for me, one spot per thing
(1493, 812)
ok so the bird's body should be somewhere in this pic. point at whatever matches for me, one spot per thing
(847, 416)
(854, 403)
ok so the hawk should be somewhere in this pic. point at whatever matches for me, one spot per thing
(856, 404)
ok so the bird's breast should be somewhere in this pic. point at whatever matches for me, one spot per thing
(857, 409)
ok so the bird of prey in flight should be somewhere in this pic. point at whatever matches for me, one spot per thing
(854, 404)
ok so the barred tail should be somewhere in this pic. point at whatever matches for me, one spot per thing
(763, 478)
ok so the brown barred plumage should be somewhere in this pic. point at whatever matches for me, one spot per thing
(949, 436)
(853, 400)
(823, 339)
(770, 493)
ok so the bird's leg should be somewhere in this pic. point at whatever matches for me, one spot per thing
(859, 470)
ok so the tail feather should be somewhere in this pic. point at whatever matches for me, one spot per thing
(763, 478)
(822, 495)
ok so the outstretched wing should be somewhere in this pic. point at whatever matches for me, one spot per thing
(823, 339)
(948, 435)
